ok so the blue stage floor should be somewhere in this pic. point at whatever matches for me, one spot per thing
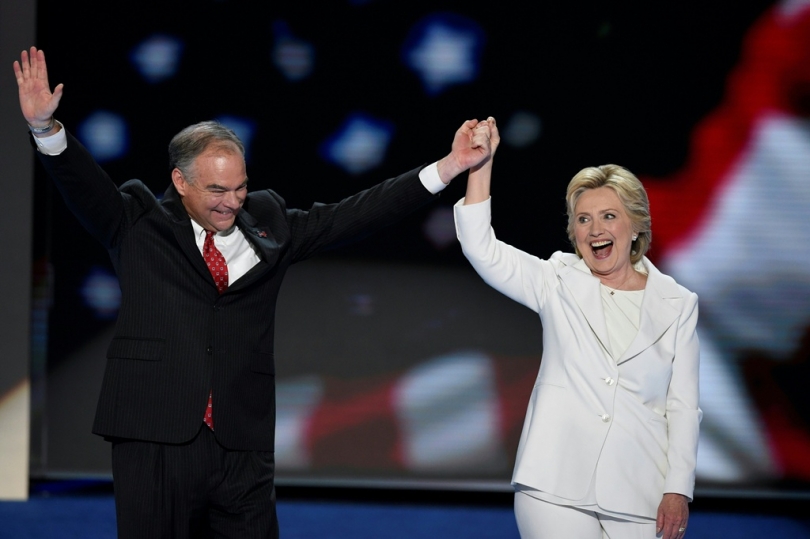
(92, 516)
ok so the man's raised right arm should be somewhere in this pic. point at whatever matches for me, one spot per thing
(87, 190)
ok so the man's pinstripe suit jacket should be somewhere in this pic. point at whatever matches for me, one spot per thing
(176, 338)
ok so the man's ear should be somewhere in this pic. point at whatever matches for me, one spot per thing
(179, 181)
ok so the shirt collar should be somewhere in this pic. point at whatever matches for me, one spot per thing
(199, 231)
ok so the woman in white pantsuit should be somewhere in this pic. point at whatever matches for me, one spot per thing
(609, 442)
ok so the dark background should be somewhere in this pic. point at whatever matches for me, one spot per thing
(611, 82)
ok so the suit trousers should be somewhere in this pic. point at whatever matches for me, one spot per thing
(538, 519)
(194, 490)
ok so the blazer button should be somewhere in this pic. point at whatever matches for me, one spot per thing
(210, 350)
(605, 418)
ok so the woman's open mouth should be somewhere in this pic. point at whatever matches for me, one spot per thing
(601, 249)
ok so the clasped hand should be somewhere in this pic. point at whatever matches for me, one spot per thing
(473, 146)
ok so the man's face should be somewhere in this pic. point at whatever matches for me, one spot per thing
(217, 189)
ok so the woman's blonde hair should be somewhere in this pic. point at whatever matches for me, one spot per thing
(631, 194)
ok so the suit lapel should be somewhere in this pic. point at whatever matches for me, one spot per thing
(261, 237)
(184, 233)
(659, 309)
(584, 288)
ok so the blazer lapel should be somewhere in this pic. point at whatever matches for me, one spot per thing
(659, 310)
(184, 233)
(584, 289)
(261, 237)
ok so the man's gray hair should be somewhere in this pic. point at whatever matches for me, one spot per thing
(192, 141)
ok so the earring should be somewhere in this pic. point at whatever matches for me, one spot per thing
(635, 237)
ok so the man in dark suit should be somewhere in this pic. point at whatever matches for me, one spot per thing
(188, 397)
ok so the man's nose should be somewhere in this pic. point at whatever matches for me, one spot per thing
(232, 200)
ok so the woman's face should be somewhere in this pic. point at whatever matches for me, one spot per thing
(603, 231)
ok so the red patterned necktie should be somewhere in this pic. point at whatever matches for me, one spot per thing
(219, 271)
(216, 262)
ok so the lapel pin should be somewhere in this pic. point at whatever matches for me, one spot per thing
(262, 234)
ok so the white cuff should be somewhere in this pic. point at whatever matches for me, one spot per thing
(430, 178)
(53, 144)
(473, 220)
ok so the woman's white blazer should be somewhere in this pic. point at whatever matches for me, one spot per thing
(630, 423)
